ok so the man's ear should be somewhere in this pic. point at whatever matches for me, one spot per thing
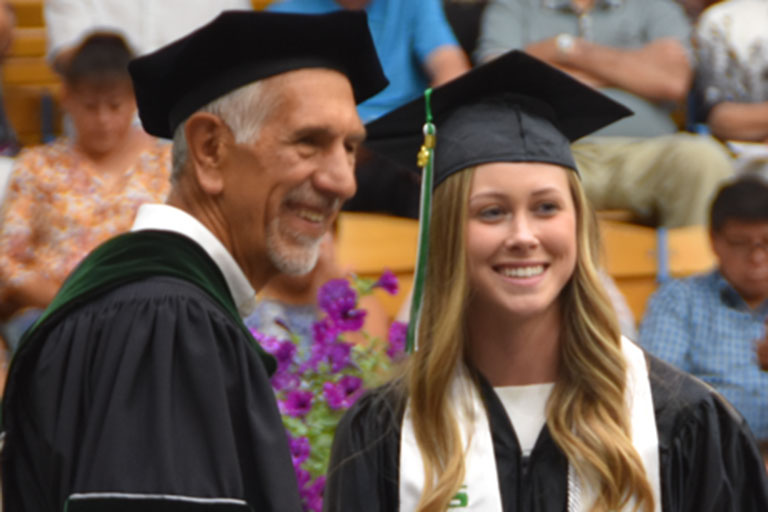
(207, 135)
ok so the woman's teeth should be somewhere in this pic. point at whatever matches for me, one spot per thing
(522, 271)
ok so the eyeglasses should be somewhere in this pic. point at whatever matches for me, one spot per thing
(745, 246)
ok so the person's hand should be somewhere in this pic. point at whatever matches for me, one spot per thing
(762, 351)
(563, 52)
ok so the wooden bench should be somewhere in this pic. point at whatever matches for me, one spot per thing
(30, 87)
(369, 243)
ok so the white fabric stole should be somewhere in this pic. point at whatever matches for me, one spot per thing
(480, 491)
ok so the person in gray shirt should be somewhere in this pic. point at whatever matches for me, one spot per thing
(638, 53)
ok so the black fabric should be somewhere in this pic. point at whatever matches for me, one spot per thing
(240, 47)
(151, 388)
(515, 108)
(708, 457)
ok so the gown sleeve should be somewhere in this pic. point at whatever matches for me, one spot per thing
(151, 391)
(709, 458)
(363, 472)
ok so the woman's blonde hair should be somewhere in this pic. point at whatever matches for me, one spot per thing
(587, 414)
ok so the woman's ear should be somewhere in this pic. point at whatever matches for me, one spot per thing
(206, 144)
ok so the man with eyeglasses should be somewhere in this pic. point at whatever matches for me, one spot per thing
(714, 325)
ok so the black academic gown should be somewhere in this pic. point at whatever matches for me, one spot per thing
(708, 457)
(151, 389)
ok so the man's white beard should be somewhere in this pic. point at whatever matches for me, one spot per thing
(296, 258)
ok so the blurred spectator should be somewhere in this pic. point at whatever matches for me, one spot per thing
(732, 77)
(9, 145)
(413, 39)
(712, 325)
(638, 53)
(67, 197)
(292, 300)
(145, 24)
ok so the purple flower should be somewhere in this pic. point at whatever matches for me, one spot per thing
(338, 355)
(388, 281)
(324, 331)
(268, 343)
(344, 393)
(397, 335)
(313, 495)
(297, 403)
(283, 380)
(284, 353)
(302, 478)
(338, 300)
(299, 449)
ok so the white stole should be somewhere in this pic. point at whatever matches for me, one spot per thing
(480, 491)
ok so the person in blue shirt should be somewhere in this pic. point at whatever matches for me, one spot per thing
(415, 43)
(714, 325)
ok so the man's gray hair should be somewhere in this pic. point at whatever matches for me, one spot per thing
(243, 110)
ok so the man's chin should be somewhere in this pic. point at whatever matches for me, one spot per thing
(296, 262)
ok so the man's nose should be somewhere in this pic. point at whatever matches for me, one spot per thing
(337, 175)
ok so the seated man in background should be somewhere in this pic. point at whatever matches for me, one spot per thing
(712, 325)
(732, 77)
(638, 53)
(67, 197)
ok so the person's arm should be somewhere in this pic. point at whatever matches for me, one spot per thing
(23, 214)
(665, 330)
(739, 121)
(445, 63)
(658, 71)
(434, 43)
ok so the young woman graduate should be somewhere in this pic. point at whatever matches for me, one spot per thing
(521, 394)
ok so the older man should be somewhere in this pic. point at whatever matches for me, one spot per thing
(713, 325)
(140, 388)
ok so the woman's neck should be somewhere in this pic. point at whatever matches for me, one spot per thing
(113, 164)
(509, 350)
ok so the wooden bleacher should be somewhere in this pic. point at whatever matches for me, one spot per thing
(30, 87)
(369, 243)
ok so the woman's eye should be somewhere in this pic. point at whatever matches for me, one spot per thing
(491, 212)
(547, 208)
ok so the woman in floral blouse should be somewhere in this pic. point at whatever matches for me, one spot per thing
(66, 198)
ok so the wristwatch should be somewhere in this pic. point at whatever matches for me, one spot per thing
(565, 43)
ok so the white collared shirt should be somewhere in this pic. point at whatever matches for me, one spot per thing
(168, 218)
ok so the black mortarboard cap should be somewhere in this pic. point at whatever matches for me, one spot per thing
(515, 108)
(240, 47)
